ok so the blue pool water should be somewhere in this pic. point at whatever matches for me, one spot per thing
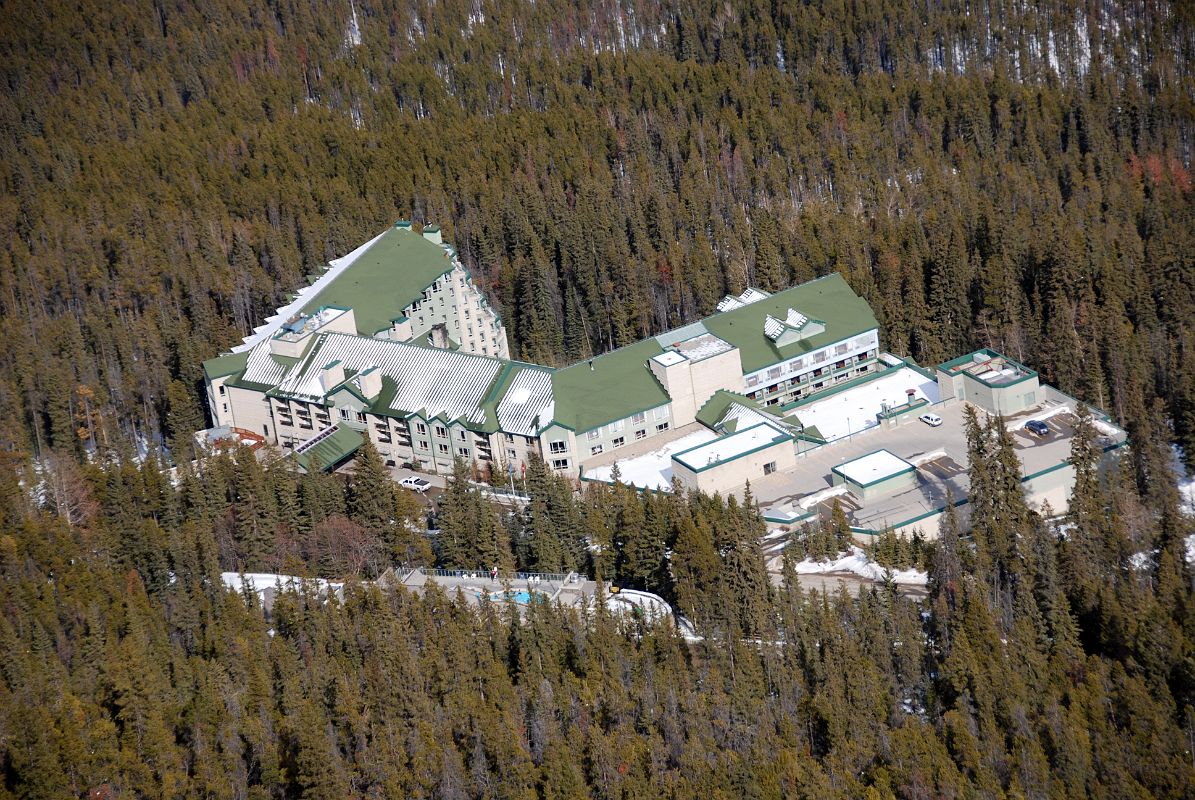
(521, 596)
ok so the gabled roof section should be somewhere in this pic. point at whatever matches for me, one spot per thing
(437, 383)
(611, 386)
(525, 404)
(384, 279)
(225, 365)
(730, 410)
(329, 448)
(829, 298)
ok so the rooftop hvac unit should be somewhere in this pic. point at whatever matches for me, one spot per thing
(981, 358)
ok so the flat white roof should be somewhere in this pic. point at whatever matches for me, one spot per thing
(873, 467)
(668, 358)
(727, 448)
(855, 409)
(651, 470)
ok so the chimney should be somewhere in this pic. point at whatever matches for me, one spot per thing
(331, 375)
(438, 336)
(591, 365)
(432, 234)
(403, 224)
(370, 381)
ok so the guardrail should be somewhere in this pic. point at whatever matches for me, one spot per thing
(484, 573)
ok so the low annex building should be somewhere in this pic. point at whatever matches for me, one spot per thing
(394, 342)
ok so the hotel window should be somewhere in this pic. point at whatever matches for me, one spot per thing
(819, 356)
(463, 452)
(663, 426)
(510, 453)
(615, 427)
(596, 450)
(594, 434)
(358, 416)
(774, 372)
(344, 414)
(443, 448)
(462, 434)
(638, 418)
(769, 468)
(441, 430)
(620, 441)
(560, 463)
(422, 445)
(796, 363)
(661, 412)
(222, 390)
(420, 427)
(640, 435)
(558, 447)
(226, 407)
(752, 380)
(841, 349)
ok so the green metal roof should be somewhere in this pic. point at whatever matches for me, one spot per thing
(385, 279)
(333, 450)
(225, 365)
(716, 407)
(608, 387)
(830, 299)
(620, 384)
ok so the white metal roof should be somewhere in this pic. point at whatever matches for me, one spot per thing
(428, 379)
(529, 396)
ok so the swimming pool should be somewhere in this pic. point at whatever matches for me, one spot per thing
(520, 596)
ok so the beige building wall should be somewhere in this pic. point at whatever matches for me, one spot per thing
(219, 403)
(251, 412)
(734, 474)
(559, 445)
(620, 433)
(691, 383)
(455, 302)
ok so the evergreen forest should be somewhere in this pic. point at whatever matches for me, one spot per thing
(994, 173)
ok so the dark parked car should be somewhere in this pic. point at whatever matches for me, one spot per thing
(1037, 427)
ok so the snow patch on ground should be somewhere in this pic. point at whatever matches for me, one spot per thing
(259, 582)
(855, 409)
(1186, 484)
(1191, 549)
(810, 500)
(856, 561)
(651, 470)
(1140, 561)
(1041, 416)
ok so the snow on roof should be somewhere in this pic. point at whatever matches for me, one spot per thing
(701, 347)
(668, 358)
(855, 409)
(529, 396)
(744, 416)
(651, 470)
(295, 306)
(873, 467)
(426, 378)
(728, 448)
